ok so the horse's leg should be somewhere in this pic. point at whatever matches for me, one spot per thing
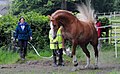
(94, 44)
(74, 44)
(85, 50)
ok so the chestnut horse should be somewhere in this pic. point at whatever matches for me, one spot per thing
(79, 32)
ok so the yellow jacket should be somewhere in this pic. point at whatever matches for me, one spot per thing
(53, 45)
(59, 38)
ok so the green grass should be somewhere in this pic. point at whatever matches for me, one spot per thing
(114, 72)
(106, 56)
(115, 21)
(8, 57)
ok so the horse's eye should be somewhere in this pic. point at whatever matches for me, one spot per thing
(54, 25)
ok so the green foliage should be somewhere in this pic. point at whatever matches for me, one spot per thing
(45, 7)
(104, 21)
(38, 23)
(103, 5)
(49, 6)
(117, 5)
(40, 6)
(7, 24)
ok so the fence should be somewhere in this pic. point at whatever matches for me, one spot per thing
(115, 25)
(110, 14)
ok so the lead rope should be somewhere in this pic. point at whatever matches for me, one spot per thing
(38, 53)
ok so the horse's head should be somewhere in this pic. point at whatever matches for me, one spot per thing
(61, 18)
(54, 24)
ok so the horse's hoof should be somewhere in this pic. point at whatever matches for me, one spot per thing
(76, 64)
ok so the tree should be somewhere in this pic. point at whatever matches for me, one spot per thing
(40, 6)
(117, 5)
(103, 5)
(47, 7)
(44, 7)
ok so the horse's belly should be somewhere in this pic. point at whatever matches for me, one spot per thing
(81, 37)
(68, 35)
(84, 38)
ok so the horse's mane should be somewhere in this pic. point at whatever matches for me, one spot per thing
(86, 11)
(61, 15)
(59, 11)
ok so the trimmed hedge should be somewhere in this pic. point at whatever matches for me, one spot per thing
(38, 23)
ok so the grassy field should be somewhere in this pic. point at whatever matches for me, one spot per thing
(10, 57)
(108, 64)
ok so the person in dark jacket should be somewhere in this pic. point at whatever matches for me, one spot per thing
(23, 33)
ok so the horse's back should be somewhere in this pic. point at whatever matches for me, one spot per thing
(89, 32)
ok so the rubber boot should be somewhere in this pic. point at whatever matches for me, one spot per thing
(22, 55)
(54, 61)
(60, 61)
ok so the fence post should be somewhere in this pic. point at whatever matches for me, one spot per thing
(110, 15)
(104, 14)
(115, 43)
(114, 14)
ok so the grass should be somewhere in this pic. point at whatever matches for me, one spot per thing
(106, 57)
(114, 72)
(10, 57)
(115, 21)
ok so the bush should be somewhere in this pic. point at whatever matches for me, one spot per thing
(38, 23)
(7, 24)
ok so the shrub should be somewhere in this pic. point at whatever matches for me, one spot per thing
(38, 23)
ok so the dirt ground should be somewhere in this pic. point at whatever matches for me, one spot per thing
(108, 64)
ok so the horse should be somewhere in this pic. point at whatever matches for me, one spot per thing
(79, 32)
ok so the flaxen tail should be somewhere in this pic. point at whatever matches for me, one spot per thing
(86, 11)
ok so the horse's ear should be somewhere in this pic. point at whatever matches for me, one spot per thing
(49, 16)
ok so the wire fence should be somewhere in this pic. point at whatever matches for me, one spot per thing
(114, 36)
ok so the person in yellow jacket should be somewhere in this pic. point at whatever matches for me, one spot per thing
(53, 47)
(59, 40)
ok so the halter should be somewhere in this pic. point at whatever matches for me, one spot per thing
(52, 30)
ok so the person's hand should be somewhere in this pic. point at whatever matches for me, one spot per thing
(30, 38)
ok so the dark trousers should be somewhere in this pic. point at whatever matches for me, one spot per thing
(58, 53)
(23, 48)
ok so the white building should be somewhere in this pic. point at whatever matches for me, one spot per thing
(4, 6)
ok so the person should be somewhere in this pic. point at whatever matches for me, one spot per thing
(59, 39)
(23, 33)
(53, 47)
(98, 24)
